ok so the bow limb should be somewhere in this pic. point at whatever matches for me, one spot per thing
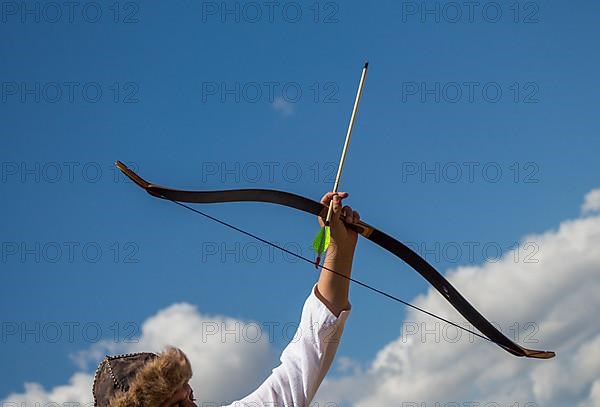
(376, 236)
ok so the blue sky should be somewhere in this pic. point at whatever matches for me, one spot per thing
(178, 101)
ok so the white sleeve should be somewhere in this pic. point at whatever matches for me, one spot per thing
(304, 362)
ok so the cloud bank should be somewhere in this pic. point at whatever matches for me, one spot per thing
(227, 356)
(552, 304)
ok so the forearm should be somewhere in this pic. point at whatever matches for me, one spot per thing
(332, 289)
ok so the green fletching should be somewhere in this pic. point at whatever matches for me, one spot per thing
(321, 242)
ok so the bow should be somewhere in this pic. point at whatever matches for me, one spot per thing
(420, 265)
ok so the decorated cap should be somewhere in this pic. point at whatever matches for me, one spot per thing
(140, 379)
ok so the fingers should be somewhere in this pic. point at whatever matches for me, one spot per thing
(336, 206)
(347, 214)
(329, 196)
(343, 213)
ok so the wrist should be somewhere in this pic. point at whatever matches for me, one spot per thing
(339, 260)
(340, 252)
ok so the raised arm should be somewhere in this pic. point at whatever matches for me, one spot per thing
(307, 359)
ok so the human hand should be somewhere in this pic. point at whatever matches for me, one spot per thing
(343, 239)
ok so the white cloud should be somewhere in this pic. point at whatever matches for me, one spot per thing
(227, 357)
(591, 203)
(283, 106)
(559, 294)
(594, 398)
(77, 390)
(226, 360)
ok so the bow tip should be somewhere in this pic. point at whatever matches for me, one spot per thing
(539, 354)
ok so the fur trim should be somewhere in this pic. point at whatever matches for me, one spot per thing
(156, 381)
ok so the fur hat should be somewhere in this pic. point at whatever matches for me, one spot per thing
(140, 379)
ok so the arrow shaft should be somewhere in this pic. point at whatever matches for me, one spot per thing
(348, 135)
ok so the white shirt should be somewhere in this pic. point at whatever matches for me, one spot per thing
(304, 362)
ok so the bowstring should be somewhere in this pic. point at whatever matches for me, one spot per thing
(355, 281)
